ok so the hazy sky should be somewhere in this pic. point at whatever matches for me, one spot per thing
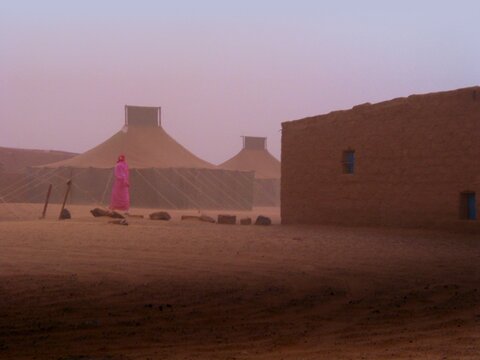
(219, 69)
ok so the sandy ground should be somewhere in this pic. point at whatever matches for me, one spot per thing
(86, 289)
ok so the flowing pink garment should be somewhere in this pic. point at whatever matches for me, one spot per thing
(120, 191)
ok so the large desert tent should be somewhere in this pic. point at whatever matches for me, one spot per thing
(163, 173)
(255, 156)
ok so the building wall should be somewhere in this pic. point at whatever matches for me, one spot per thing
(414, 156)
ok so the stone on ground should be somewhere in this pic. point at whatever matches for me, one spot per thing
(263, 220)
(160, 215)
(246, 221)
(227, 219)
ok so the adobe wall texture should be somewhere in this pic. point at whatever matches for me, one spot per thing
(414, 156)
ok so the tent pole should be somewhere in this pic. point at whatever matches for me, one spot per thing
(47, 199)
(69, 185)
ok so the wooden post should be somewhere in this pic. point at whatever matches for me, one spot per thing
(47, 199)
(69, 185)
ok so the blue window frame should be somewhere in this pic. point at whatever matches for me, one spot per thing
(468, 205)
(348, 161)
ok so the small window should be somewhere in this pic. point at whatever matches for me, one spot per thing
(468, 206)
(348, 161)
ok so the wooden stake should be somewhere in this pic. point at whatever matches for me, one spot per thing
(69, 185)
(47, 199)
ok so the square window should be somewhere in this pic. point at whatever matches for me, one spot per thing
(348, 161)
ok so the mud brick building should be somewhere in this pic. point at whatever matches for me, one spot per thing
(411, 161)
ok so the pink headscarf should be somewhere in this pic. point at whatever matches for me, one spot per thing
(121, 158)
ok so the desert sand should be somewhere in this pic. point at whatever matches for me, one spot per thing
(87, 289)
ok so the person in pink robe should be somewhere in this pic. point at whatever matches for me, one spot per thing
(120, 192)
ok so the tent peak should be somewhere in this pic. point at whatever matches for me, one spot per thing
(142, 116)
(254, 143)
